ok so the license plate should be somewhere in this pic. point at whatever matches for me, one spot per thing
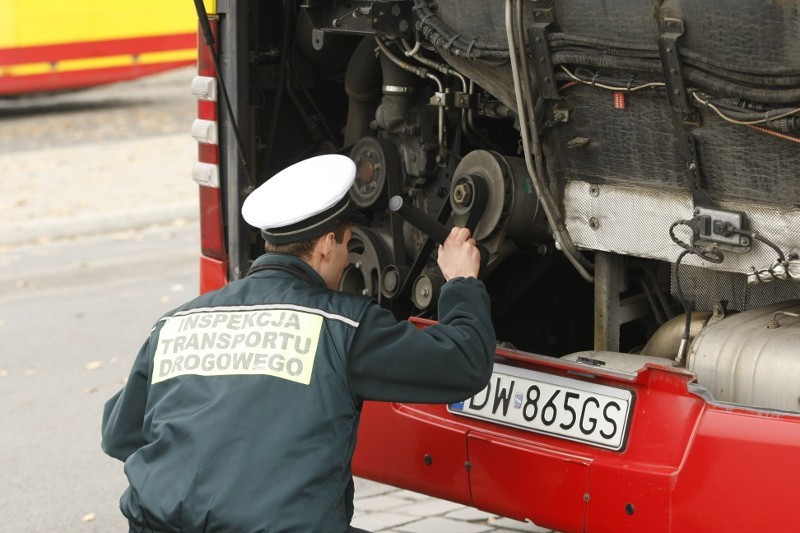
(554, 405)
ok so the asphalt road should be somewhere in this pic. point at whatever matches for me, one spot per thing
(72, 315)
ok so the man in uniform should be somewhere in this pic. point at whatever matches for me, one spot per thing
(241, 410)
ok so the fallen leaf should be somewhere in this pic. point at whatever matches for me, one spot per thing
(94, 365)
(31, 372)
(89, 517)
(90, 390)
(3, 373)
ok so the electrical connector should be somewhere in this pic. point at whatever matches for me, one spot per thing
(720, 226)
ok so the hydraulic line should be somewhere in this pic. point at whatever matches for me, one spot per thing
(444, 68)
(737, 115)
(560, 233)
(684, 345)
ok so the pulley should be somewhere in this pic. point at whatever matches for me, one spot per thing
(492, 194)
(425, 292)
(369, 255)
(377, 163)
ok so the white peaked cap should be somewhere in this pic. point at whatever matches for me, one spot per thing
(304, 200)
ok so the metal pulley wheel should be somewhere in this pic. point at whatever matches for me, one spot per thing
(425, 292)
(478, 192)
(496, 191)
(377, 162)
(392, 279)
(369, 255)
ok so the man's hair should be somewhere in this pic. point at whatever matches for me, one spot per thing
(303, 249)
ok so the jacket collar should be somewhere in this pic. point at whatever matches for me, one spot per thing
(288, 261)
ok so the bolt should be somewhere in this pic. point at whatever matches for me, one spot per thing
(594, 190)
(629, 508)
(586, 496)
(390, 281)
(365, 292)
(594, 223)
(428, 459)
(358, 265)
(462, 194)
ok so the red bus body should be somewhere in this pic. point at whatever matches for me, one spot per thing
(712, 426)
(690, 464)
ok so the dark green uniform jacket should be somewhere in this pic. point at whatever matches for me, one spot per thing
(241, 411)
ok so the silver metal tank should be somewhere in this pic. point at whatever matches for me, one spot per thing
(752, 358)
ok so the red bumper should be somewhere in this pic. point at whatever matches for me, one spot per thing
(689, 465)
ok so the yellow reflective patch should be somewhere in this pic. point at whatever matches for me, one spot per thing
(271, 342)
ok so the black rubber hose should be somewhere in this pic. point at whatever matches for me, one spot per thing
(704, 62)
(362, 83)
(606, 61)
(744, 77)
(599, 43)
(475, 52)
(726, 88)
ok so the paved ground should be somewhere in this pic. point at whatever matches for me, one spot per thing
(115, 159)
(385, 509)
(97, 161)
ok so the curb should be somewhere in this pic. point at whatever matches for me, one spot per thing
(94, 224)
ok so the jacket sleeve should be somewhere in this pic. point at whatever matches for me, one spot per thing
(123, 415)
(443, 363)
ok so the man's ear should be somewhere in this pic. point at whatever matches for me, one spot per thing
(326, 244)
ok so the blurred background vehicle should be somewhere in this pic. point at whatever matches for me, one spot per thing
(51, 45)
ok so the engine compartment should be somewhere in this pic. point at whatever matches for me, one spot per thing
(624, 164)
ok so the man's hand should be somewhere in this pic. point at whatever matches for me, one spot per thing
(459, 255)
